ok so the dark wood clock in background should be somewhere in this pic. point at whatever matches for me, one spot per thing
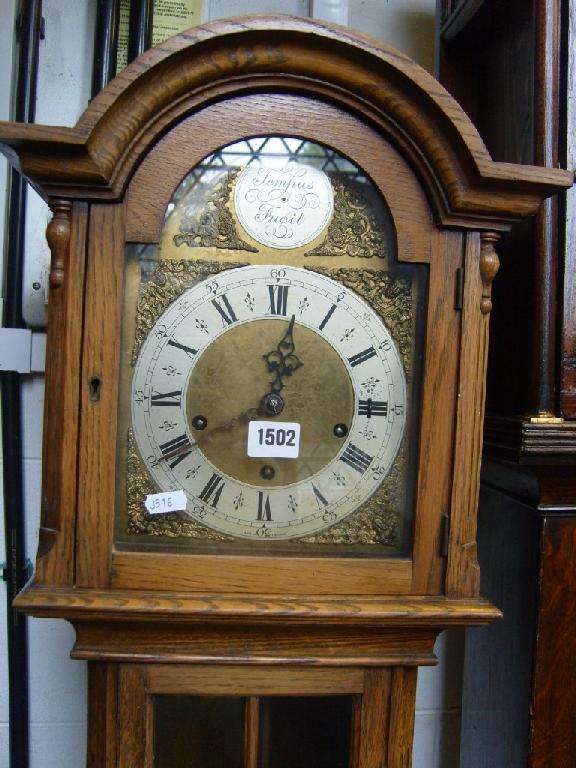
(272, 257)
(511, 66)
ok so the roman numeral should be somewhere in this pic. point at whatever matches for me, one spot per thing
(228, 317)
(319, 497)
(356, 458)
(264, 510)
(177, 448)
(166, 398)
(213, 489)
(278, 299)
(361, 357)
(372, 408)
(327, 317)
(183, 347)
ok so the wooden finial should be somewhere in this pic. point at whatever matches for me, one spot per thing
(489, 266)
(58, 236)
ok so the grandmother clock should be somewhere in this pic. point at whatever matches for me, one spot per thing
(272, 251)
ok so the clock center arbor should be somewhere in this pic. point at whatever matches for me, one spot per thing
(272, 254)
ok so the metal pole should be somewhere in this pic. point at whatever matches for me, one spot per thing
(140, 31)
(105, 43)
(29, 30)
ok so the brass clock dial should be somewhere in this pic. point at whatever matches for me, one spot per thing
(288, 350)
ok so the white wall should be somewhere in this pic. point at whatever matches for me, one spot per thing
(58, 685)
(5, 73)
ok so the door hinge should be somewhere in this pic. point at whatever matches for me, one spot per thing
(21, 350)
(459, 290)
(444, 536)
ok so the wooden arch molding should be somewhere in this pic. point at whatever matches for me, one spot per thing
(209, 63)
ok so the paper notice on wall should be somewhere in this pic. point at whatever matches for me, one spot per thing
(170, 18)
(173, 16)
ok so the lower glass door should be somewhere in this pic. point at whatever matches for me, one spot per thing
(252, 732)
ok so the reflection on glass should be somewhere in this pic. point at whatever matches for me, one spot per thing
(305, 732)
(268, 245)
(268, 150)
(198, 732)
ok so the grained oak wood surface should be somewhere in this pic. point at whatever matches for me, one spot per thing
(233, 56)
(437, 414)
(56, 551)
(101, 350)
(463, 573)
(105, 604)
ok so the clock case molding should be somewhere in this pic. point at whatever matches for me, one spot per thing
(107, 181)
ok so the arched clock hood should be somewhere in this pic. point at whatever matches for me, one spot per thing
(274, 55)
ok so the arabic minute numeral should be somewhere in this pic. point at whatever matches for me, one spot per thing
(199, 511)
(161, 332)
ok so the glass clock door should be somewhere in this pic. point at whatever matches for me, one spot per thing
(267, 732)
(271, 363)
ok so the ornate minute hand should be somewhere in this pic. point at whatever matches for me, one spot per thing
(281, 362)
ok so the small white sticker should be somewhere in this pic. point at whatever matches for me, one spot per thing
(162, 503)
(274, 438)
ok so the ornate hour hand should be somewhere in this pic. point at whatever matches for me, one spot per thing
(282, 362)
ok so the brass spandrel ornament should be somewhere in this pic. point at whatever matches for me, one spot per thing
(211, 225)
(355, 230)
(379, 520)
(168, 279)
(139, 522)
(390, 296)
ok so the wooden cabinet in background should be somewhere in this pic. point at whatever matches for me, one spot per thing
(512, 67)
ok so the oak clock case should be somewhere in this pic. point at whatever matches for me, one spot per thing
(178, 319)
(271, 362)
